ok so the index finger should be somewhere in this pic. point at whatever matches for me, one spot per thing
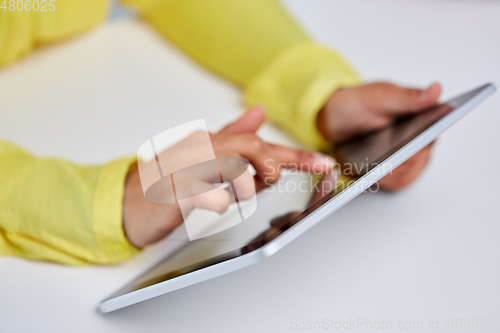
(305, 160)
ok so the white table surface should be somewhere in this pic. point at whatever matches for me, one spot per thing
(429, 252)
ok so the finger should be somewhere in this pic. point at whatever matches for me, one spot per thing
(244, 186)
(327, 184)
(237, 171)
(205, 196)
(390, 99)
(247, 123)
(293, 158)
(269, 159)
(262, 155)
(407, 172)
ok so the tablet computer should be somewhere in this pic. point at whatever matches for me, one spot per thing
(295, 204)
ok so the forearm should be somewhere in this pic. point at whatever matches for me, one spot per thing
(54, 210)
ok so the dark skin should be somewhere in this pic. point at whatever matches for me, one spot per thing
(349, 112)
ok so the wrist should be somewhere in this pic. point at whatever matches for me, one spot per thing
(131, 203)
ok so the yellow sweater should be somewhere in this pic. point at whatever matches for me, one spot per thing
(54, 210)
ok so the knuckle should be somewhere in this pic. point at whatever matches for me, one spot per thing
(255, 143)
(381, 89)
(304, 155)
(414, 95)
(301, 155)
(383, 85)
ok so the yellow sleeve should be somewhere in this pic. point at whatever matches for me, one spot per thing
(54, 210)
(51, 209)
(255, 44)
(20, 31)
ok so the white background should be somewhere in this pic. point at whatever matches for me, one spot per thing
(429, 252)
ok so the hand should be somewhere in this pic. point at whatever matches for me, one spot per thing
(356, 110)
(146, 222)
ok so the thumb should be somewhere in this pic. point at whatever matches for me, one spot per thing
(391, 99)
(247, 123)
